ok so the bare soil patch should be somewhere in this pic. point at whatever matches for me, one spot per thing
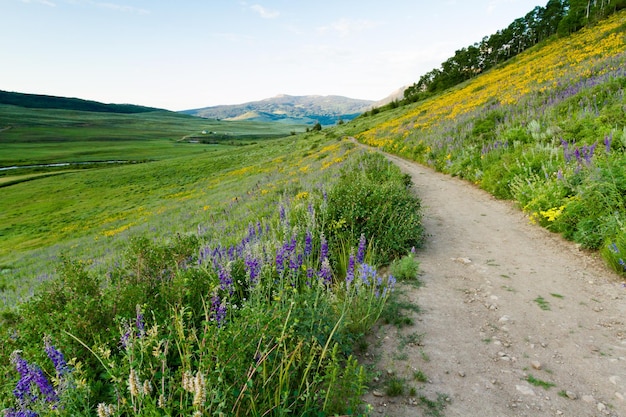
(515, 320)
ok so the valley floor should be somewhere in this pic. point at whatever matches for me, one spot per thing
(506, 308)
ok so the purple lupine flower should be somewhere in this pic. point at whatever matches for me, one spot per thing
(310, 274)
(280, 259)
(360, 255)
(326, 273)
(350, 270)
(226, 281)
(622, 263)
(30, 374)
(19, 413)
(295, 261)
(46, 388)
(57, 358)
(608, 139)
(253, 267)
(366, 272)
(613, 247)
(323, 248)
(566, 153)
(281, 213)
(218, 310)
(125, 338)
(22, 389)
(139, 323)
(587, 152)
(311, 210)
(308, 243)
(559, 175)
(391, 282)
(299, 261)
(578, 155)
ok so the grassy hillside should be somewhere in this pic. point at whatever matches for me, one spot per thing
(547, 129)
(43, 136)
(39, 101)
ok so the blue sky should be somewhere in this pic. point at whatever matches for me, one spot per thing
(186, 54)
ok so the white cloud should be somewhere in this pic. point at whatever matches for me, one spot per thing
(346, 27)
(265, 13)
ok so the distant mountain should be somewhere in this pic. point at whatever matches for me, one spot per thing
(396, 95)
(309, 110)
(39, 101)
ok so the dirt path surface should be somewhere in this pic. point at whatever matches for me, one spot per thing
(505, 305)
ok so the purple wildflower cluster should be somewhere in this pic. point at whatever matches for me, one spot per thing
(293, 259)
(296, 261)
(33, 386)
(350, 269)
(369, 277)
(583, 154)
(139, 330)
(57, 358)
(489, 147)
(218, 310)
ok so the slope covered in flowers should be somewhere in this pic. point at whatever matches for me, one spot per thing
(547, 129)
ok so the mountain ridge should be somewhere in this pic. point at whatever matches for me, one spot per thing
(42, 101)
(285, 108)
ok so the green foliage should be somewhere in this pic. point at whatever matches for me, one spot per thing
(372, 198)
(405, 268)
(395, 386)
(539, 383)
(397, 312)
(420, 376)
(614, 251)
(434, 408)
(542, 303)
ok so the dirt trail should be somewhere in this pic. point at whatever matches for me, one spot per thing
(503, 301)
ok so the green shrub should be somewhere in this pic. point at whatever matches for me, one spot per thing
(405, 268)
(372, 198)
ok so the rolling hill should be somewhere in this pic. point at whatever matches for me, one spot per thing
(40, 101)
(283, 108)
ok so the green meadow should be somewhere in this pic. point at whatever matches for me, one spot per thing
(124, 287)
(52, 209)
(44, 136)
